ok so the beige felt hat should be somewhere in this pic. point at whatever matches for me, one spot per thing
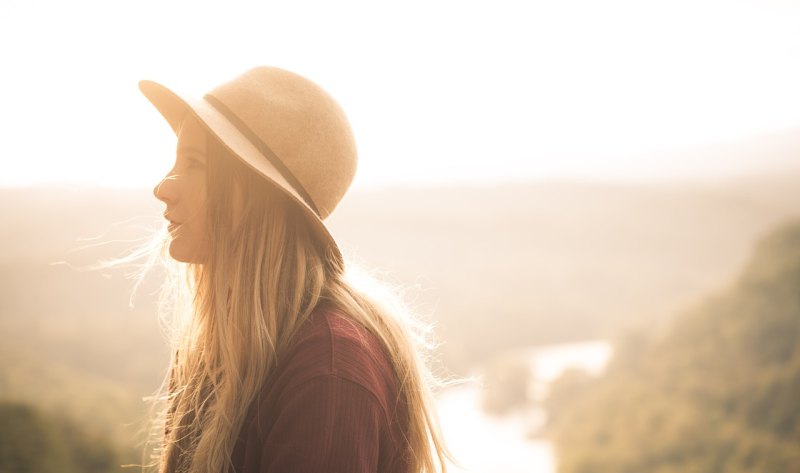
(283, 126)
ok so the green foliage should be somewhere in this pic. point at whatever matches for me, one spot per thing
(31, 442)
(719, 393)
(571, 385)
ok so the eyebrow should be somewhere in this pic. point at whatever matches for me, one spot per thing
(190, 150)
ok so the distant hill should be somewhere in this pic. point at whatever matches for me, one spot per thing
(37, 443)
(719, 392)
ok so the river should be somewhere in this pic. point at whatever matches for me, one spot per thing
(488, 444)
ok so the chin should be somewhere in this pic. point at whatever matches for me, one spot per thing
(181, 254)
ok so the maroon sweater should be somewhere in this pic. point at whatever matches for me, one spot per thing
(331, 405)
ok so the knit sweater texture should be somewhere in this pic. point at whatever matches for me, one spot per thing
(331, 404)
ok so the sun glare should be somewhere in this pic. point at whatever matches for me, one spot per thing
(438, 92)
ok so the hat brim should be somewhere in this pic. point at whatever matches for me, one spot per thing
(173, 107)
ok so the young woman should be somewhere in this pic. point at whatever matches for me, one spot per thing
(280, 365)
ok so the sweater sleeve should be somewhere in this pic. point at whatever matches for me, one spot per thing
(326, 424)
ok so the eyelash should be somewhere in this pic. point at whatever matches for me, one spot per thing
(194, 163)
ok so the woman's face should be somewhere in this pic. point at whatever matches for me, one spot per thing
(183, 190)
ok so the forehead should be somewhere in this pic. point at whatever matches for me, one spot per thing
(192, 134)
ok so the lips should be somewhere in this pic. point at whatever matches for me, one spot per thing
(173, 225)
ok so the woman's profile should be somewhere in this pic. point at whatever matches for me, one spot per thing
(279, 363)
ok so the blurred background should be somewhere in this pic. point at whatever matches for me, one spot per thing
(596, 203)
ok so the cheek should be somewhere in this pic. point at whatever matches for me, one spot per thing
(199, 196)
(199, 233)
(200, 230)
(181, 250)
(199, 210)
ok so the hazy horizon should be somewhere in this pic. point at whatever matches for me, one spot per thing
(767, 155)
(480, 91)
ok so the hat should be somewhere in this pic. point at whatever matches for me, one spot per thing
(284, 127)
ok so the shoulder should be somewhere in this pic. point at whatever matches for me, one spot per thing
(330, 345)
(331, 403)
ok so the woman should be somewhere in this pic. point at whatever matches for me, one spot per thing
(280, 365)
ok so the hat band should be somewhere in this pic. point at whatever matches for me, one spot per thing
(263, 148)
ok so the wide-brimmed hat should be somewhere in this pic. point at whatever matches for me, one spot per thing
(284, 127)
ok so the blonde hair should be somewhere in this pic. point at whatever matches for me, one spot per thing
(238, 311)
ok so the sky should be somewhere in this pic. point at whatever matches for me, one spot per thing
(438, 92)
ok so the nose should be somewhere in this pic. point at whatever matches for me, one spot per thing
(165, 189)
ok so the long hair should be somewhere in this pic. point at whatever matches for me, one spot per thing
(263, 276)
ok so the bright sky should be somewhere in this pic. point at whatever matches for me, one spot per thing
(437, 91)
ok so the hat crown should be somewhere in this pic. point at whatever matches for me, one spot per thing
(302, 125)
